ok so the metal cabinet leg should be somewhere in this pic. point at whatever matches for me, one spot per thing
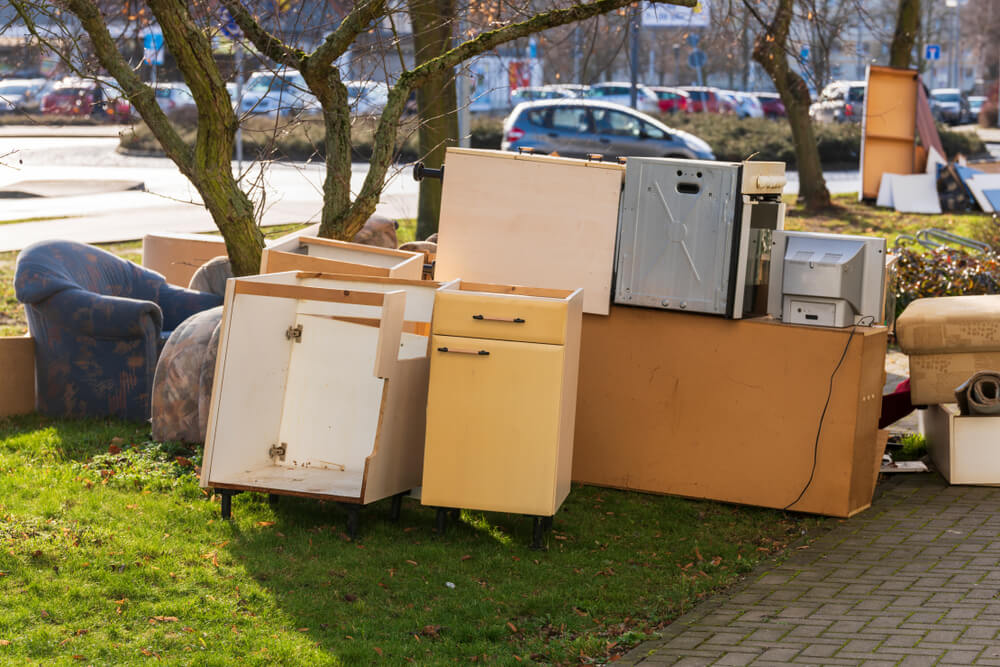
(397, 506)
(353, 519)
(441, 521)
(540, 526)
(227, 503)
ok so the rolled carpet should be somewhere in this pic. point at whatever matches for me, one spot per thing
(980, 394)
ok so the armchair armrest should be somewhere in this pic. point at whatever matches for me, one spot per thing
(99, 315)
(178, 304)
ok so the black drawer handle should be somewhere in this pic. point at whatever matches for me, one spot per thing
(479, 353)
(512, 320)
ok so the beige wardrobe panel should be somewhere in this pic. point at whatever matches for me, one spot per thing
(530, 220)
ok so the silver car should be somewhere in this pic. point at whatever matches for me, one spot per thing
(578, 127)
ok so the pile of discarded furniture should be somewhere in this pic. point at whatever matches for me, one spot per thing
(646, 326)
(910, 177)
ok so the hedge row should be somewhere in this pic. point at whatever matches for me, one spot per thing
(730, 138)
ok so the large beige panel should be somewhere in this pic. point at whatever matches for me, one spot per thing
(964, 449)
(530, 220)
(17, 368)
(178, 256)
(950, 324)
(889, 126)
(492, 425)
(934, 377)
(729, 409)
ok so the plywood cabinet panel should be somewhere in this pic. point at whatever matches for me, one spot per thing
(530, 220)
(500, 409)
(329, 256)
(334, 409)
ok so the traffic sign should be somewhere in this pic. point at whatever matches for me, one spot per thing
(693, 38)
(932, 52)
(152, 46)
(804, 53)
(229, 27)
(696, 59)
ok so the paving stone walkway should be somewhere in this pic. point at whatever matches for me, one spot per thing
(914, 580)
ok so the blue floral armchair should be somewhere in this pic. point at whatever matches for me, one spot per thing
(98, 322)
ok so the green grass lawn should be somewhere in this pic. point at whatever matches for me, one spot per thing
(110, 553)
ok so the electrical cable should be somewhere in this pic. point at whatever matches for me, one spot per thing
(822, 416)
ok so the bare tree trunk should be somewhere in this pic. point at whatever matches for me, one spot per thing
(770, 51)
(907, 29)
(433, 21)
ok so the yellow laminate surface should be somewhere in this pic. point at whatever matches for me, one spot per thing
(493, 425)
(496, 316)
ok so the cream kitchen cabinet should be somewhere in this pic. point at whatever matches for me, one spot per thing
(320, 388)
(502, 400)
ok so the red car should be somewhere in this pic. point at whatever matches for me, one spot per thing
(771, 103)
(703, 98)
(76, 97)
(670, 99)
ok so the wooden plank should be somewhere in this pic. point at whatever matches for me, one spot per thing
(17, 368)
(274, 261)
(310, 293)
(539, 221)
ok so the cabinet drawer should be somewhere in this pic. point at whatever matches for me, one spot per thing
(500, 317)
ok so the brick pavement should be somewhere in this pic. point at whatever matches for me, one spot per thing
(914, 580)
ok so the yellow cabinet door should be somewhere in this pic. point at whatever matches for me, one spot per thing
(493, 411)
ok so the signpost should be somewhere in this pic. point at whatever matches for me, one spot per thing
(932, 52)
(696, 60)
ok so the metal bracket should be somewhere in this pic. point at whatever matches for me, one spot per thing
(294, 333)
(278, 451)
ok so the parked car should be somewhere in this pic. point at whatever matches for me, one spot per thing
(949, 105)
(671, 100)
(975, 106)
(532, 93)
(79, 97)
(840, 102)
(771, 104)
(702, 98)
(744, 105)
(576, 128)
(276, 93)
(173, 96)
(621, 93)
(22, 95)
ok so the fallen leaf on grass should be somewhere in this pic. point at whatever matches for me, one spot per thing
(377, 650)
(114, 449)
(265, 524)
(513, 628)
(412, 562)
(163, 619)
(350, 598)
(78, 657)
(183, 462)
(698, 554)
(303, 629)
(4, 642)
(466, 557)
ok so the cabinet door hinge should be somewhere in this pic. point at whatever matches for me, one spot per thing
(294, 333)
(278, 451)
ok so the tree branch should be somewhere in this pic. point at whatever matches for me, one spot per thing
(138, 93)
(356, 22)
(266, 43)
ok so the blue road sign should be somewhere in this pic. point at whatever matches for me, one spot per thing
(693, 38)
(229, 27)
(696, 59)
(804, 53)
(932, 52)
(152, 46)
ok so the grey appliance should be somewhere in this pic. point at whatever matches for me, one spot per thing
(695, 235)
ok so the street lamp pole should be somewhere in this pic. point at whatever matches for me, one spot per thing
(634, 55)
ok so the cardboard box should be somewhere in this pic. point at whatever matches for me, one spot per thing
(964, 449)
(705, 407)
(178, 256)
(17, 368)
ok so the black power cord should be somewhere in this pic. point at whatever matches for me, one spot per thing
(822, 416)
